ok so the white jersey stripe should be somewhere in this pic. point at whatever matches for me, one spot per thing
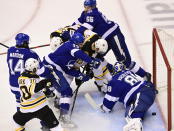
(88, 26)
(130, 93)
(73, 51)
(111, 98)
(52, 63)
(108, 32)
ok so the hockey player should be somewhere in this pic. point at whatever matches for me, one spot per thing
(136, 94)
(63, 59)
(93, 45)
(16, 57)
(61, 35)
(91, 18)
(33, 101)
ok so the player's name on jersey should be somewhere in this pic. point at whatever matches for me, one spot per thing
(17, 55)
(124, 75)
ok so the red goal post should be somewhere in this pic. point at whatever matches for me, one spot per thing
(163, 71)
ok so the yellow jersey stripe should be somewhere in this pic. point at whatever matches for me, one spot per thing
(89, 38)
(104, 68)
(107, 71)
(32, 87)
(20, 129)
(33, 106)
(34, 101)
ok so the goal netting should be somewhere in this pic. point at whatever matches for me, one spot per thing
(163, 72)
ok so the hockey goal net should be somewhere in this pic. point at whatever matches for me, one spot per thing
(163, 73)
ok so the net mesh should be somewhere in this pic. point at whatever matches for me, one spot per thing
(167, 40)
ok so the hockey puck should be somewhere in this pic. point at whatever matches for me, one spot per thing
(153, 113)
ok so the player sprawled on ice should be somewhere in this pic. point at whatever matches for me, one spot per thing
(64, 59)
(93, 45)
(136, 94)
(33, 103)
(91, 18)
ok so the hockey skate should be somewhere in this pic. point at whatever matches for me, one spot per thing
(66, 122)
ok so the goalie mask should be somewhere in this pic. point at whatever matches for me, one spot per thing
(101, 46)
(55, 42)
(31, 64)
(118, 67)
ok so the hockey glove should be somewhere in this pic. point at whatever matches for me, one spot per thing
(89, 72)
(48, 92)
(45, 83)
(95, 63)
(78, 82)
(83, 77)
(103, 109)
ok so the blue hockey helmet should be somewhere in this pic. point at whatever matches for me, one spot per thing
(90, 3)
(21, 38)
(77, 38)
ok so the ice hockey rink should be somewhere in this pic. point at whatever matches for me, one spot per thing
(39, 18)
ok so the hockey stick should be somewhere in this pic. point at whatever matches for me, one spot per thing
(91, 101)
(75, 96)
(39, 46)
(4, 45)
(30, 48)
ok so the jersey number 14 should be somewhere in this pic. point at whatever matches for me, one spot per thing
(18, 67)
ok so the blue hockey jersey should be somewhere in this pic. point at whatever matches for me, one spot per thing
(64, 58)
(123, 87)
(16, 58)
(97, 22)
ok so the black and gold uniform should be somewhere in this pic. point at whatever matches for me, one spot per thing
(33, 101)
(64, 33)
(32, 96)
(88, 46)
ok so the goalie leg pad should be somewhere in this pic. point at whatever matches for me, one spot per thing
(134, 124)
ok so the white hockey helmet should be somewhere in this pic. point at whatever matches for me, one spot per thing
(31, 64)
(55, 42)
(101, 46)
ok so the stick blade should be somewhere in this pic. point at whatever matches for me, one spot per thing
(91, 101)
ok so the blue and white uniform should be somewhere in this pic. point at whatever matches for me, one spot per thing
(110, 31)
(63, 59)
(136, 95)
(65, 56)
(16, 58)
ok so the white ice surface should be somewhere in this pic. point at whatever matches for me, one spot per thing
(39, 18)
